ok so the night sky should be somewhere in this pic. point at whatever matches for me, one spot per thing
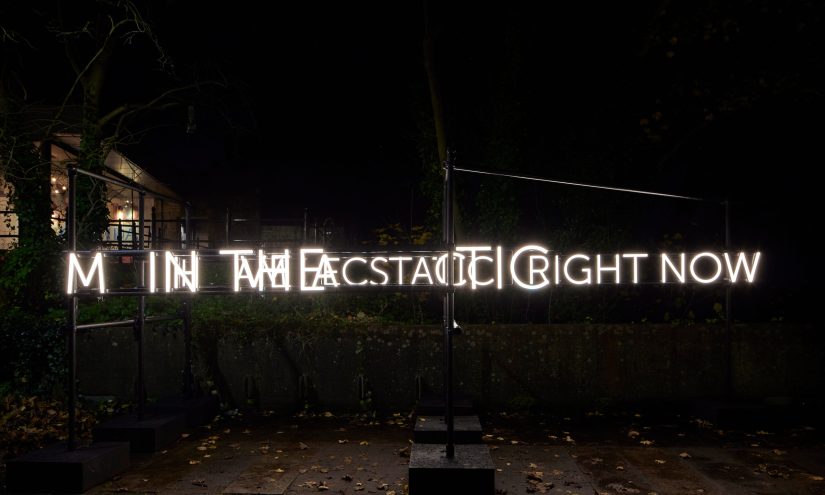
(326, 107)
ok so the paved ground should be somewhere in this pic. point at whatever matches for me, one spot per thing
(590, 454)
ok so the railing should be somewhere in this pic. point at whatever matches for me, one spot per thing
(124, 234)
(60, 224)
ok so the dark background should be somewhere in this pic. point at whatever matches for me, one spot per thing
(326, 107)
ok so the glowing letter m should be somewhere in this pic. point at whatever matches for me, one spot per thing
(75, 272)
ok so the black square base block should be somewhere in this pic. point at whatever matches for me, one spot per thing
(197, 410)
(434, 406)
(433, 429)
(151, 434)
(471, 469)
(55, 469)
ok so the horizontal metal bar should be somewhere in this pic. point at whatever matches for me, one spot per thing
(216, 252)
(126, 323)
(137, 188)
(119, 323)
(581, 184)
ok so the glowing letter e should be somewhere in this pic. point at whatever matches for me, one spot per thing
(85, 279)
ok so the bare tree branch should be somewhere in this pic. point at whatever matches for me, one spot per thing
(103, 48)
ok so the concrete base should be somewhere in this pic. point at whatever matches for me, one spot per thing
(434, 406)
(471, 470)
(433, 429)
(197, 410)
(55, 469)
(152, 434)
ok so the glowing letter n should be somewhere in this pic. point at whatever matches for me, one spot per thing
(177, 275)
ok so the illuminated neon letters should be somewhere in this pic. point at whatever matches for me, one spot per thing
(529, 267)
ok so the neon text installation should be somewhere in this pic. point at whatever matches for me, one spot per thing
(530, 267)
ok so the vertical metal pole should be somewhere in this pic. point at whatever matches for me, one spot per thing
(449, 305)
(228, 227)
(141, 319)
(153, 230)
(306, 225)
(71, 331)
(139, 235)
(187, 210)
(187, 317)
(728, 313)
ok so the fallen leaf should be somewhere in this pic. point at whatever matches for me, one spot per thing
(632, 433)
(194, 461)
(302, 446)
(364, 442)
(646, 443)
(659, 461)
(199, 483)
(346, 477)
(535, 476)
(343, 441)
(814, 477)
(684, 455)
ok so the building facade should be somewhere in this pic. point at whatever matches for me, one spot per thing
(163, 218)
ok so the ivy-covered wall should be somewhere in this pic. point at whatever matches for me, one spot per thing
(357, 367)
